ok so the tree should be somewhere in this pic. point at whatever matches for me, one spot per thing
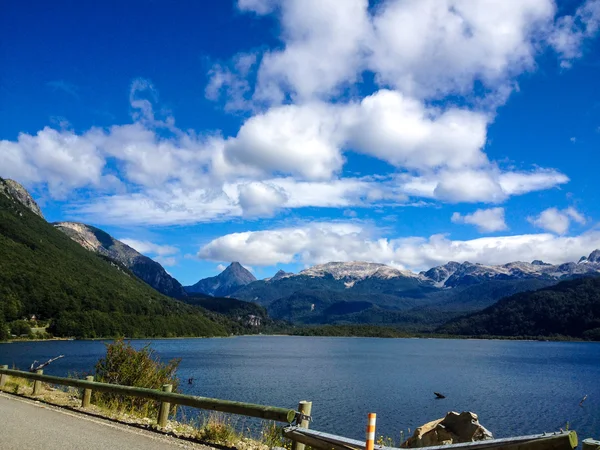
(20, 328)
(4, 331)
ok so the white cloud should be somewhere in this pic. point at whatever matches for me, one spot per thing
(62, 160)
(221, 267)
(488, 184)
(261, 199)
(229, 82)
(571, 31)
(402, 131)
(319, 243)
(426, 48)
(324, 42)
(517, 183)
(486, 220)
(298, 140)
(150, 248)
(436, 47)
(166, 261)
(557, 221)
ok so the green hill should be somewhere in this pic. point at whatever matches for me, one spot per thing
(247, 317)
(570, 308)
(46, 274)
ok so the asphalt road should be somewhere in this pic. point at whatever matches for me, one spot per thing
(28, 425)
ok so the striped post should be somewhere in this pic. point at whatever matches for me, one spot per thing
(370, 444)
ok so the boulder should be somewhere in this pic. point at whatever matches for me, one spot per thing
(452, 429)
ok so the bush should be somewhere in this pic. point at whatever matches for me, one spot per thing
(218, 429)
(127, 366)
(20, 328)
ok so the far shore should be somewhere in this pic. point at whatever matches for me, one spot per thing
(416, 336)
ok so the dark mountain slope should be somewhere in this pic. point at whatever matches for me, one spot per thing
(250, 317)
(43, 272)
(570, 308)
(146, 269)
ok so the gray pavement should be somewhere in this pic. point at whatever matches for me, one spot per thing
(30, 425)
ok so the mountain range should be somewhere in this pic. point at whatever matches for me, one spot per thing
(332, 293)
(363, 292)
(570, 308)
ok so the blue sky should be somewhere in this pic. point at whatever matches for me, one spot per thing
(288, 133)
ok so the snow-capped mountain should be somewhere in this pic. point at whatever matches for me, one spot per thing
(455, 274)
(355, 271)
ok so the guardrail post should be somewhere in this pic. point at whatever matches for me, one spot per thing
(305, 409)
(3, 377)
(165, 407)
(37, 385)
(590, 444)
(87, 394)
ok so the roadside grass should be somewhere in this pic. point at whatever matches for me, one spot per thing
(212, 428)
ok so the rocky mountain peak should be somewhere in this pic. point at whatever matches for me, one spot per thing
(594, 256)
(279, 275)
(538, 262)
(11, 188)
(226, 283)
(235, 269)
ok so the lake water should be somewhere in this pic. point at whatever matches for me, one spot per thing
(515, 387)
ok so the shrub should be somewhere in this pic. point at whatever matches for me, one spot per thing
(20, 328)
(127, 366)
(218, 429)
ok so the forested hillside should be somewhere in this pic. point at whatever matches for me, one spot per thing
(570, 308)
(46, 274)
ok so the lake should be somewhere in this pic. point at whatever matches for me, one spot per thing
(515, 387)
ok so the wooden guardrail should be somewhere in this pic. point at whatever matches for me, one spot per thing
(166, 397)
(566, 440)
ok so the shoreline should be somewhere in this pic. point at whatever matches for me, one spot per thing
(436, 337)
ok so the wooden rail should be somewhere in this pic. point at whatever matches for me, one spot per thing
(213, 404)
(550, 441)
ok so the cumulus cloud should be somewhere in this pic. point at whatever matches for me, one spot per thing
(260, 199)
(323, 50)
(311, 110)
(402, 131)
(557, 221)
(319, 243)
(62, 160)
(291, 139)
(486, 220)
(427, 48)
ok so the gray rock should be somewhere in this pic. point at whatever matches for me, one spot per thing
(14, 190)
(453, 429)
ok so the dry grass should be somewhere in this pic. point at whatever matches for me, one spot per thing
(215, 428)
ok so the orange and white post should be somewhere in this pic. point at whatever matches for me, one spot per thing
(371, 431)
